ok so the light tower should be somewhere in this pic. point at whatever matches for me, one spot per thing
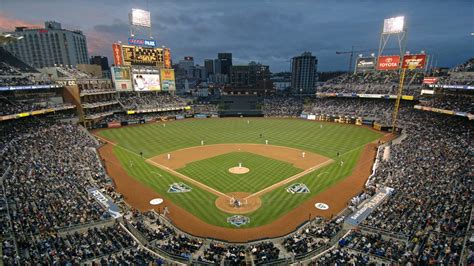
(140, 20)
(394, 27)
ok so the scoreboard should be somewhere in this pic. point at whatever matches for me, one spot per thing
(142, 56)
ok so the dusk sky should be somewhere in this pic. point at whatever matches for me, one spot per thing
(267, 31)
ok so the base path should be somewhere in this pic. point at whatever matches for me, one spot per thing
(139, 195)
(180, 158)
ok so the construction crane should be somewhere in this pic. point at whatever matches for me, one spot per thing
(352, 51)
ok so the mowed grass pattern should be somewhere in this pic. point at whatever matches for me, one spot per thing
(263, 172)
(153, 139)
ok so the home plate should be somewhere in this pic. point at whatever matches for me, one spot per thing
(321, 206)
(156, 201)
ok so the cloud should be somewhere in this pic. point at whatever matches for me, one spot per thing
(8, 24)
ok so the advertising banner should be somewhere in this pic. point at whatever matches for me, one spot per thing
(142, 42)
(117, 51)
(388, 62)
(167, 57)
(105, 201)
(167, 80)
(430, 80)
(416, 60)
(357, 217)
(146, 82)
(113, 124)
(121, 77)
(365, 64)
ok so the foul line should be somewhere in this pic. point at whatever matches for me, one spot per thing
(293, 178)
(177, 174)
(218, 193)
(289, 179)
(199, 184)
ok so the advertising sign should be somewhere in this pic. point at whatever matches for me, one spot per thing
(117, 50)
(417, 61)
(142, 42)
(167, 80)
(365, 64)
(391, 62)
(430, 80)
(106, 202)
(122, 78)
(146, 82)
(357, 217)
(394, 25)
(167, 57)
(139, 17)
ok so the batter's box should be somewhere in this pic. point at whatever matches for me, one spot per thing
(297, 188)
(179, 188)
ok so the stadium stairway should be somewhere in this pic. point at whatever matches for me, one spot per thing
(249, 259)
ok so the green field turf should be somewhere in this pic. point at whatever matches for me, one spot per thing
(263, 172)
(154, 139)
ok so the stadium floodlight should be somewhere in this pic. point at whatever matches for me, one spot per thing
(140, 17)
(394, 25)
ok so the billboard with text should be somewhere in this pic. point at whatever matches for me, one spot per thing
(388, 62)
(117, 51)
(416, 61)
(430, 80)
(167, 57)
(167, 80)
(122, 78)
(365, 64)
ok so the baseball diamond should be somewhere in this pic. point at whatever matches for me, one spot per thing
(230, 142)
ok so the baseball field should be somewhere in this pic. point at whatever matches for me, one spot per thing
(237, 178)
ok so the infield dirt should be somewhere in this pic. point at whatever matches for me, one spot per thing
(138, 196)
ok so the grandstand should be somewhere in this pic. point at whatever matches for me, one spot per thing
(54, 183)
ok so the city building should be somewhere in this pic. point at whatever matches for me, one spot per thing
(217, 67)
(303, 73)
(209, 66)
(253, 78)
(226, 62)
(49, 46)
(103, 62)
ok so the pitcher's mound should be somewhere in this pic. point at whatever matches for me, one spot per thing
(239, 170)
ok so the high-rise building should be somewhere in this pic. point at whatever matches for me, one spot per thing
(217, 66)
(303, 73)
(226, 62)
(187, 65)
(49, 46)
(209, 66)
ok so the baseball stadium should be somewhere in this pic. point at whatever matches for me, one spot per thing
(154, 162)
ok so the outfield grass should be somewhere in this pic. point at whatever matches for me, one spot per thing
(263, 172)
(153, 139)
